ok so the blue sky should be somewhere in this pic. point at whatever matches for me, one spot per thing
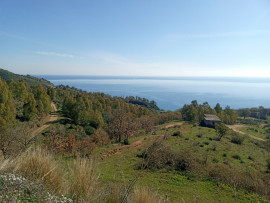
(142, 37)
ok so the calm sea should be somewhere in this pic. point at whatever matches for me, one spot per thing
(172, 93)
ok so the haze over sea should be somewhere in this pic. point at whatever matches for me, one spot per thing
(172, 93)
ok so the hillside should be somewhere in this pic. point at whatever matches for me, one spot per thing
(98, 148)
(31, 80)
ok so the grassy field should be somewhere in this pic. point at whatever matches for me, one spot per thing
(258, 131)
(119, 165)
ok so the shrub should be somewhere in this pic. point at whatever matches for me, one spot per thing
(251, 158)
(236, 156)
(268, 164)
(126, 141)
(177, 133)
(89, 130)
(159, 156)
(237, 139)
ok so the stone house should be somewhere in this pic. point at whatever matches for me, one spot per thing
(210, 120)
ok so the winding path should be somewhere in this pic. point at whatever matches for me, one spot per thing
(47, 121)
(237, 128)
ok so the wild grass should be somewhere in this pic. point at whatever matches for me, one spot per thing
(146, 195)
(76, 179)
(82, 180)
(37, 164)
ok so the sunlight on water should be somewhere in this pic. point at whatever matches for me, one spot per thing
(173, 93)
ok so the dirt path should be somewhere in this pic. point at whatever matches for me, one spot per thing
(175, 125)
(237, 128)
(118, 150)
(46, 122)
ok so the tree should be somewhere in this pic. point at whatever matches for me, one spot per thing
(245, 113)
(189, 112)
(147, 123)
(51, 92)
(7, 109)
(218, 108)
(43, 100)
(195, 103)
(229, 116)
(123, 124)
(7, 141)
(221, 130)
(29, 108)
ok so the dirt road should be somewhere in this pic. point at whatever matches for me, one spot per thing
(46, 122)
(175, 125)
(237, 128)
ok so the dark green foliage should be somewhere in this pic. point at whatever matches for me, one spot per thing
(89, 130)
(30, 80)
(177, 133)
(236, 156)
(237, 139)
(29, 108)
(268, 164)
(251, 158)
(142, 102)
(126, 141)
(221, 130)
(218, 108)
(7, 109)
(244, 113)
(195, 112)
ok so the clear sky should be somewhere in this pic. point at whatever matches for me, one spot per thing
(136, 37)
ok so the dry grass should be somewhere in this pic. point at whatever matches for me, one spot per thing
(145, 195)
(83, 180)
(78, 181)
(40, 165)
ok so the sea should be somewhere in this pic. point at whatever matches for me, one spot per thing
(171, 93)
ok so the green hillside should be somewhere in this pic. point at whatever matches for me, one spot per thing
(31, 80)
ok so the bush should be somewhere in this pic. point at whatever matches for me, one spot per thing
(237, 139)
(236, 156)
(158, 156)
(89, 130)
(177, 133)
(251, 158)
(126, 141)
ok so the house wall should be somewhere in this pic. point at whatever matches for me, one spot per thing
(211, 123)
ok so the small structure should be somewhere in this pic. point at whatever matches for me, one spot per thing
(210, 120)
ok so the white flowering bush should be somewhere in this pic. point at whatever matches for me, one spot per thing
(15, 188)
